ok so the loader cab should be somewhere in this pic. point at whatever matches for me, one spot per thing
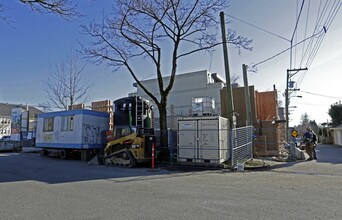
(125, 130)
(122, 131)
(133, 111)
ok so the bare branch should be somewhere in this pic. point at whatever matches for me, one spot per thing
(198, 50)
(63, 8)
(239, 41)
(3, 17)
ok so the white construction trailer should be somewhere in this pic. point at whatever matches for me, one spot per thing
(67, 132)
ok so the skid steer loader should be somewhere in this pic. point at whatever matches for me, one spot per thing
(128, 146)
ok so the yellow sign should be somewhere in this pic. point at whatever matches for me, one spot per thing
(294, 133)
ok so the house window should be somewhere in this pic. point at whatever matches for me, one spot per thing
(67, 123)
(48, 124)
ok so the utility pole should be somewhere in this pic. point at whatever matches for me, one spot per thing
(229, 100)
(287, 101)
(229, 104)
(247, 96)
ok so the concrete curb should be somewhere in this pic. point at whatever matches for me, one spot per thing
(30, 150)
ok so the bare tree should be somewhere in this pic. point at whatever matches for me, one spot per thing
(64, 87)
(147, 29)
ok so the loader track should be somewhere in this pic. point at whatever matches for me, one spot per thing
(121, 158)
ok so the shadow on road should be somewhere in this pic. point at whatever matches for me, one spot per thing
(15, 167)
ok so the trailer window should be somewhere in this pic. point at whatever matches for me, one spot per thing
(48, 124)
(67, 123)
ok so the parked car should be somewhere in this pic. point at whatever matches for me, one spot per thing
(5, 138)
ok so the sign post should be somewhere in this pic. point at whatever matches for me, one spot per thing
(294, 134)
(152, 157)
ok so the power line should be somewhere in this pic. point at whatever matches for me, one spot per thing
(326, 26)
(295, 31)
(306, 26)
(262, 29)
(301, 103)
(300, 12)
(312, 50)
(326, 96)
(312, 40)
(270, 58)
(316, 25)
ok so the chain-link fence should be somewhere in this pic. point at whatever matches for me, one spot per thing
(242, 145)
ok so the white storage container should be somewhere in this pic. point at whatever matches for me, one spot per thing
(187, 139)
(203, 139)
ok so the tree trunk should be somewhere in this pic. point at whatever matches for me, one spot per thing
(164, 148)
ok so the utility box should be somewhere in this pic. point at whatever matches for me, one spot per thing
(203, 139)
(75, 129)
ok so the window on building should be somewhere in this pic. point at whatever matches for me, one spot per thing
(67, 123)
(48, 124)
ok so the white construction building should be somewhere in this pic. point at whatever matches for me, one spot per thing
(186, 87)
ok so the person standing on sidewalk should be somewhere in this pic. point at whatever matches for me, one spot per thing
(314, 140)
(310, 143)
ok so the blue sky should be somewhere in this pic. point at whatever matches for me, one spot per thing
(33, 42)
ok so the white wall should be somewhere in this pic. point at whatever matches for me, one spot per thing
(186, 86)
(338, 136)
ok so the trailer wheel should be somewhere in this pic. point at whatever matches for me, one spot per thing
(63, 154)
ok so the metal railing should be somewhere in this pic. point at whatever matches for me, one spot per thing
(241, 145)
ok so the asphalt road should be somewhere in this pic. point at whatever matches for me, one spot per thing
(35, 187)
